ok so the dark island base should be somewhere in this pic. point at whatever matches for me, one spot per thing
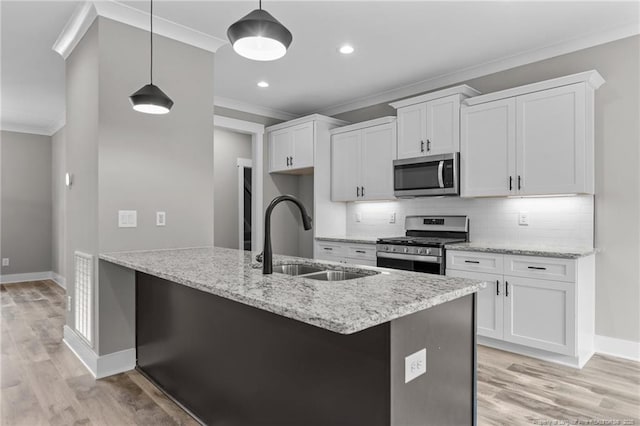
(232, 364)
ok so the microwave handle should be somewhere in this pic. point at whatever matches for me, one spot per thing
(440, 174)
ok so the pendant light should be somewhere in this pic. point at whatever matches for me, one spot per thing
(259, 36)
(150, 99)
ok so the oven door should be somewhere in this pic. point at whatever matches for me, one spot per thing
(405, 262)
(422, 176)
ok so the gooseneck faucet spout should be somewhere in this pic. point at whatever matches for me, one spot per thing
(267, 254)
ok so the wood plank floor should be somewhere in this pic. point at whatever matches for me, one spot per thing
(42, 383)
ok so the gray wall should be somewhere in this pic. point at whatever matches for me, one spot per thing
(26, 202)
(58, 209)
(122, 159)
(617, 200)
(228, 146)
(149, 162)
(81, 134)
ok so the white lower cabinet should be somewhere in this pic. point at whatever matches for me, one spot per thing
(532, 303)
(343, 252)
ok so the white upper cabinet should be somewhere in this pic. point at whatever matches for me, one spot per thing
(488, 147)
(291, 148)
(533, 140)
(551, 142)
(345, 166)
(362, 161)
(430, 124)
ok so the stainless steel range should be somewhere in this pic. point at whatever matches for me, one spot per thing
(422, 249)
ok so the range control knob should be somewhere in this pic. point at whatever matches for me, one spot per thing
(428, 251)
(406, 249)
(421, 251)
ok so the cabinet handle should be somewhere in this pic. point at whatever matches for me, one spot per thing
(539, 268)
(421, 146)
(291, 161)
(328, 248)
(506, 288)
(471, 261)
(361, 251)
(428, 145)
(287, 161)
(362, 190)
(510, 183)
(497, 287)
(519, 182)
(357, 191)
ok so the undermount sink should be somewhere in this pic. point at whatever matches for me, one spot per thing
(296, 269)
(335, 276)
(320, 273)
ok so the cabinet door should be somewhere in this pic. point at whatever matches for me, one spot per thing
(551, 141)
(412, 131)
(488, 149)
(489, 315)
(302, 146)
(540, 314)
(443, 125)
(345, 166)
(378, 152)
(280, 149)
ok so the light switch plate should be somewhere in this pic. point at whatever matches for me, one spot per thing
(392, 217)
(523, 218)
(127, 218)
(161, 218)
(5, 261)
(358, 217)
(415, 365)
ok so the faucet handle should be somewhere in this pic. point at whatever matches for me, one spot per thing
(259, 257)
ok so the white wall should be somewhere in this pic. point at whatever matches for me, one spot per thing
(58, 193)
(228, 146)
(557, 221)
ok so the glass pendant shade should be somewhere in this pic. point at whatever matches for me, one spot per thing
(259, 36)
(151, 100)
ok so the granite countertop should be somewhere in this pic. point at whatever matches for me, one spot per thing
(348, 239)
(544, 251)
(340, 306)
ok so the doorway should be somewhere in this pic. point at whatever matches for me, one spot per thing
(245, 176)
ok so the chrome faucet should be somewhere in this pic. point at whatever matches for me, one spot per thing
(267, 254)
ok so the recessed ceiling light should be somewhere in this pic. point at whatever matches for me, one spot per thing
(263, 84)
(346, 49)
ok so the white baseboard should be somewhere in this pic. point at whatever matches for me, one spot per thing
(99, 366)
(59, 279)
(29, 276)
(620, 348)
(569, 361)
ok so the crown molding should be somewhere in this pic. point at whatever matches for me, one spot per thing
(87, 12)
(26, 122)
(487, 68)
(249, 108)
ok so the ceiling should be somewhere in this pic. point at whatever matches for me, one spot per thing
(396, 44)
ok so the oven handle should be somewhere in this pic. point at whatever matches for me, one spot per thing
(418, 258)
(440, 174)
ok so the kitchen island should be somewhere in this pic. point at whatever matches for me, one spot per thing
(236, 347)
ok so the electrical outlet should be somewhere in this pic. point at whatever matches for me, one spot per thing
(127, 218)
(392, 217)
(415, 365)
(523, 218)
(161, 218)
(358, 217)
(5, 261)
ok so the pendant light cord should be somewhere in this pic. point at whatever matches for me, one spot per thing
(151, 40)
(260, 4)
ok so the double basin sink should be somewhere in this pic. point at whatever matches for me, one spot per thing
(320, 273)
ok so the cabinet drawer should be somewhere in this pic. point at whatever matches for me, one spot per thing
(547, 268)
(361, 252)
(473, 261)
(331, 249)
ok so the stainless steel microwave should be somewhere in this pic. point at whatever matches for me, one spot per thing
(426, 176)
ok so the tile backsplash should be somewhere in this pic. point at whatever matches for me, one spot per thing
(556, 221)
